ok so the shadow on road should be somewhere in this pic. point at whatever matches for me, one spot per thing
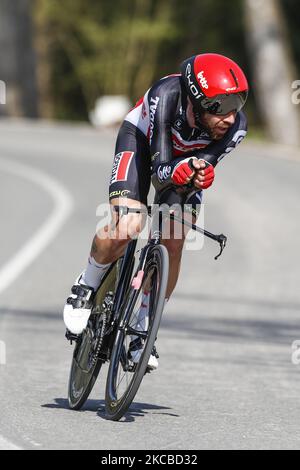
(203, 325)
(258, 304)
(62, 403)
(234, 330)
(135, 410)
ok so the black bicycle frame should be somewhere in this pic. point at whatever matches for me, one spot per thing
(124, 274)
(125, 271)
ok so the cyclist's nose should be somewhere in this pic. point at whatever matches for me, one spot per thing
(230, 118)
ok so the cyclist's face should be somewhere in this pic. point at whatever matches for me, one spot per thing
(219, 124)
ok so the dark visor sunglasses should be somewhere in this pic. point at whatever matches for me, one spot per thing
(224, 104)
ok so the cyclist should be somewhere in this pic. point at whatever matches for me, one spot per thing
(175, 136)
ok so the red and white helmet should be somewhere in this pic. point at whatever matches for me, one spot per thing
(214, 83)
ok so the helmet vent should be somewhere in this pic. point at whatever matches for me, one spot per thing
(234, 78)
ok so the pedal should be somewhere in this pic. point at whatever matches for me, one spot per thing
(71, 336)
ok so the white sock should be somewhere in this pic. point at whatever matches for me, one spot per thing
(143, 317)
(93, 273)
(142, 320)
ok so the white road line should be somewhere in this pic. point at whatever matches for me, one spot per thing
(63, 206)
(6, 445)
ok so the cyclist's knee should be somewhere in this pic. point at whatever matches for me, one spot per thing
(129, 226)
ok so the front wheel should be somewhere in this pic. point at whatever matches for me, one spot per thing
(124, 376)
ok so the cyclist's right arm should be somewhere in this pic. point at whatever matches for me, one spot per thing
(163, 99)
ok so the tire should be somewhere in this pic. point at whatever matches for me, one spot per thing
(83, 374)
(85, 367)
(156, 270)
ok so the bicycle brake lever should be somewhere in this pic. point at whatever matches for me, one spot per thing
(222, 241)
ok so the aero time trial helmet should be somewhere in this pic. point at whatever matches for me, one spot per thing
(214, 83)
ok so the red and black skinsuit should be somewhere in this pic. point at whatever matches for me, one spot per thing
(155, 136)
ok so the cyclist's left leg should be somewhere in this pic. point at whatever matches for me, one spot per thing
(189, 208)
(173, 238)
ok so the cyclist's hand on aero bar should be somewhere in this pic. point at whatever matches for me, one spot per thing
(201, 172)
(184, 171)
(205, 174)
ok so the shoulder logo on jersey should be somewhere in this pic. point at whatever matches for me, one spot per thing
(203, 134)
(121, 166)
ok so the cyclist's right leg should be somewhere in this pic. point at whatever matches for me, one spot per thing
(108, 245)
(129, 186)
(111, 241)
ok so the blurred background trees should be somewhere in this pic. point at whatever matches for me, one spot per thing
(273, 68)
(85, 49)
(17, 60)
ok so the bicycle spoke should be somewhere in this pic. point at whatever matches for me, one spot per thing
(120, 381)
(120, 369)
(141, 326)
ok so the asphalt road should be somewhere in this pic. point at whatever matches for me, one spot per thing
(226, 379)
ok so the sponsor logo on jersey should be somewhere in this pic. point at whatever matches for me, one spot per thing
(120, 193)
(202, 80)
(178, 124)
(153, 108)
(154, 157)
(204, 134)
(163, 173)
(121, 166)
